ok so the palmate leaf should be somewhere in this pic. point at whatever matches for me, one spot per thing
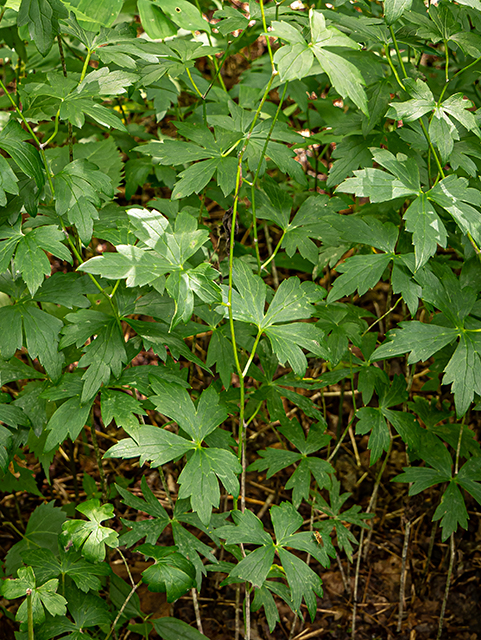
(175, 629)
(198, 421)
(199, 479)
(345, 538)
(87, 610)
(374, 419)
(30, 258)
(151, 528)
(41, 596)
(41, 335)
(275, 460)
(168, 251)
(77, 189)
(105, 354)
(69, 563)
(296, 59)
(8, 181)
(91, 537)
(254, 568)
(67, 421)
(361, 273)
(424, 340)
(292, 301)
(394, 9)
(122, 407)
(151, 444)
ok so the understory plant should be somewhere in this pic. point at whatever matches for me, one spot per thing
(191, 257)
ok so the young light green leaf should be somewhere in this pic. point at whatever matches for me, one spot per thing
(91, 537)
(393, 9)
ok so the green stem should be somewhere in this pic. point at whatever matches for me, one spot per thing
(238, 184)
(85, 67)
(264, 24)
(393, 68)
(396, 46)
(458, 448)
(249, 362)
(197, 90)
(458, 73)
(55, 131)
(256, 175)
(95, 442)
(278, 246)
(382, 317)
(446, 65)
(433, 150)
(218, 70)
(30, 615)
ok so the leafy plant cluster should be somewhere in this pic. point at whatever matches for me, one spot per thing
(346, 154)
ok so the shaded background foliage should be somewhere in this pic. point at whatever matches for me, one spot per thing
(239, 276)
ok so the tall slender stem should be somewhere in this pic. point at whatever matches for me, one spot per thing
(30, 615)
(256, 175)
(95, 442)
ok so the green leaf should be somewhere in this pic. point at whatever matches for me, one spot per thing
(199, 479)
(30, 257)
(156, 25)
(293, 61)
(8, 181)
(77, 189)
(427, 229)
(421, 103)
(303, 581)
(151, 444)
(41, 332)
(230, 20)
(451, 511)
(248, 303)
(42, 596)
(422, 340)
(25, 155)
(463, 371)
(172, 573)
(43, 527)
(255, 566)
(454, 194)
(361, 273)
(91, 537)
(106, 352)
(372, 420)
(96, 13)
(46, 566)
(288, 340)
(380, 186)
(393, 9)
(67, 421)
(195, 178)
(151, 528)
(175, 629)
(346, 78)
(198, 421)
(41, 17)
(184, 14)
(122, 407)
